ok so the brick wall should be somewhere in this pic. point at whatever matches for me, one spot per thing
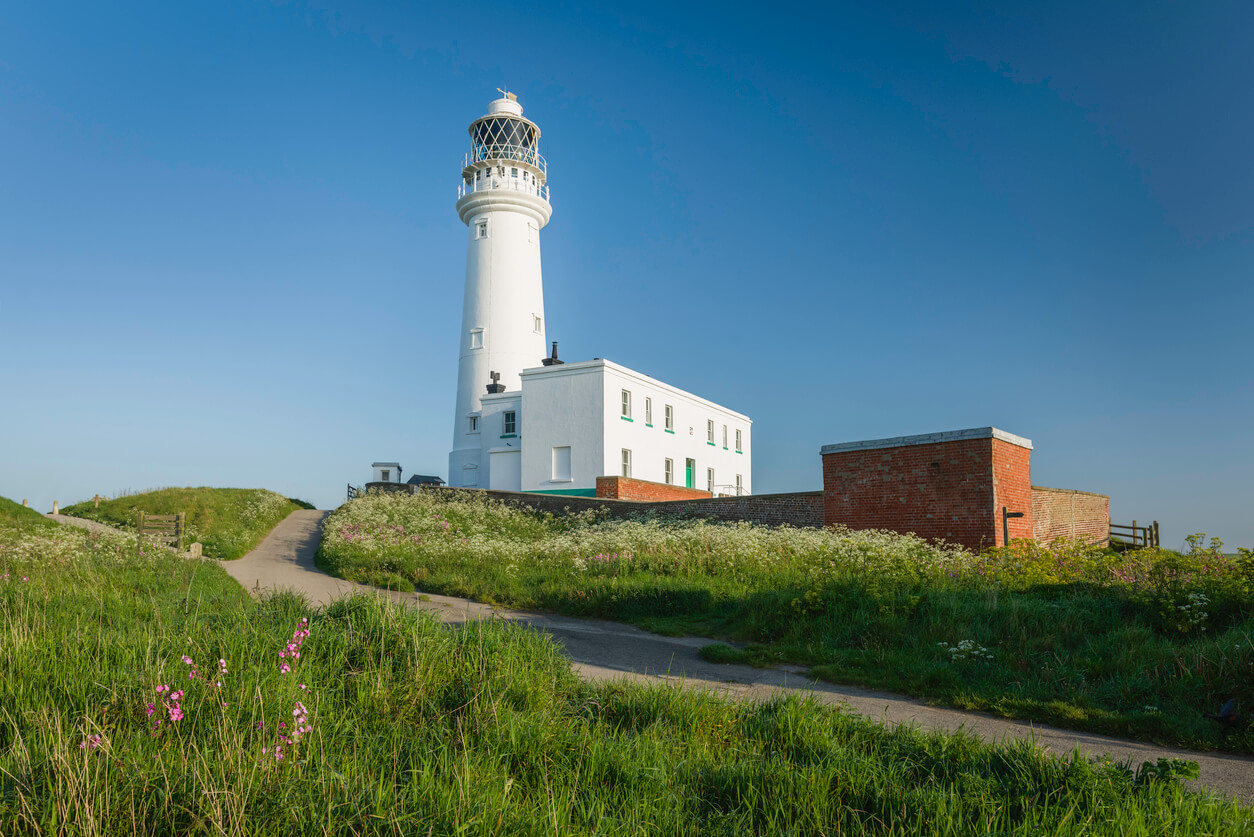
(629, 488)
(1012, 490)
(1065, 513)
(943, 485)
(800, 509)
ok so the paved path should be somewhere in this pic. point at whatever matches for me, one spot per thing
(611, 651)
(82, 523)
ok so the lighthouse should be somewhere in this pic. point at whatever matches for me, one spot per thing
(503, 200)
(527, 421)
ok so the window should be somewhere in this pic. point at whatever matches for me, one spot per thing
(626, 462)
(724, 437)
(626, 404)
(739, 485)
(476, 338)
(386, 475)
(472, 425)
(509, 422)
(513, 172)
(561, 463)
(709, 431)
(709, 480)
(669, 413)
(537, 324)
(481, 229)
(738, 447)
(669, 470)
(648, 411)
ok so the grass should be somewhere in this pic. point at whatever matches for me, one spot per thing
(1132, 645)
(228, 522)
(15, 517)
(410, 727)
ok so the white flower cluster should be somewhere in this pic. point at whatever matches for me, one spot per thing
(1194, 613)
(431, 530)
(966, 650)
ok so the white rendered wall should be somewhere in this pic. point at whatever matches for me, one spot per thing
(579, 405)
(564, 407)
(493, 440)
(651, 446)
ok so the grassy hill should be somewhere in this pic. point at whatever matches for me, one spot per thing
(227, 521)
(16, 517)
(149, 695)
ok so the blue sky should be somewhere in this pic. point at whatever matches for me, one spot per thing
(229, 255)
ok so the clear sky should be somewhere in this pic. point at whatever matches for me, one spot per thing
(229, 254)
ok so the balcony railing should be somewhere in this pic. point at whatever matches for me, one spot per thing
(512, 184)
(502, 151)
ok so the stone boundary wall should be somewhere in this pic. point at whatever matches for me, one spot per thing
(1066, 513)
(629, 488)
(803, 509)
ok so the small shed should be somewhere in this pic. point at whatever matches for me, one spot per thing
(387, 472)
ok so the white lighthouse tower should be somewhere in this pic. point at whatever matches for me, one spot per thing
(504, 202)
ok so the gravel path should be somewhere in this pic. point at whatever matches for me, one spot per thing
(601, 651)
(83, 523)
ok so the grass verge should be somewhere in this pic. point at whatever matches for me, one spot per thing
(1133, 645)
(228, 522)
(151, 696)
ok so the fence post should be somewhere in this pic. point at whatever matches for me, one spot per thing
(180, 529)
(1157, 542)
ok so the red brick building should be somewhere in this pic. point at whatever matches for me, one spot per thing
(953, 486)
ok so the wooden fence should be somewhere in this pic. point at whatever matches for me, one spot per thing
(165, 529)
(1135, 536)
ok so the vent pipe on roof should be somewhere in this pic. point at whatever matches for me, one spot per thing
(552, 361)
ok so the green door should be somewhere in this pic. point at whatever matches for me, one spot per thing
(690, 471)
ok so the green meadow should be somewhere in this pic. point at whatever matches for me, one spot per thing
(227, 522)
(1134, 644)
(148, 695)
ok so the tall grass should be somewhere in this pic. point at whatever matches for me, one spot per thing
(409, 727)
(228, 522)
(1137, 645)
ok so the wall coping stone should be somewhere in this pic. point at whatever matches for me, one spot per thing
(1069, 491)
(930, 439)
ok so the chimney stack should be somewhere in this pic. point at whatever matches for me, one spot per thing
(552, 360)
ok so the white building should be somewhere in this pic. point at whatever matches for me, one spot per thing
(386, 471)
(579, 420)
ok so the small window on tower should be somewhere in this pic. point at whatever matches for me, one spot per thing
(481, 229)
(513, 172)
(537, 324)
(476, 338)
(386, 475)
(472, 426)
